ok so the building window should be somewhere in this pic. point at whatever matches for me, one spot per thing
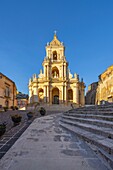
(7, 92)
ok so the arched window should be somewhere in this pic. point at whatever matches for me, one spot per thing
(54, 55)
(55, 72)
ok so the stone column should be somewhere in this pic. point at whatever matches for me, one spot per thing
(65, 70)
(35, 96)
(48, 54)
(76, 95)
(50, 96)
(60, 72)
(62, 94)
(47, 94)
(45, 70)
(65, 95)
(82, 98)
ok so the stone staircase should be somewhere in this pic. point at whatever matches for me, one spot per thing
(50, 109)
(55, 108)
(95, 125)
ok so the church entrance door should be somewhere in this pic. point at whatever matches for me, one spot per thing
(55, 95)
(56, 99)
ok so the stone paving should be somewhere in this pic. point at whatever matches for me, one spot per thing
(13, 132)
(46, 146)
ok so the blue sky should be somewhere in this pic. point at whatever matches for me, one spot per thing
(85, 27)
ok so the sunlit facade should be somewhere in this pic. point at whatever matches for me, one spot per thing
(8, 92)
(105, 86)
(55, 84)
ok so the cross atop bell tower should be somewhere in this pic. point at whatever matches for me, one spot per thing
(55, 32)
(55, 35)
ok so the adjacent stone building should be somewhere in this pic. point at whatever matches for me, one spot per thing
(22, 100)
(55, 84)
(105, 86)
(8, 92)
(91, 94)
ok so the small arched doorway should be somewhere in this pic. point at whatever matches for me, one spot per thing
(55, 96)
(41, 95)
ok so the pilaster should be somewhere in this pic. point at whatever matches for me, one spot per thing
(65, 94)
(76, 94)
(35, 95)
(45, 93)
(82, 98)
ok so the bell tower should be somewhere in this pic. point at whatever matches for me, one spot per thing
(55, 64)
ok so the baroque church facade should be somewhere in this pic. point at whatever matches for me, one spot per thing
(55, 84)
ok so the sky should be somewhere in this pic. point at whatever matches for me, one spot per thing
(85, 27)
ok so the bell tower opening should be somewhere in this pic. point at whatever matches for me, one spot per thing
(54, 55)
(55, 72)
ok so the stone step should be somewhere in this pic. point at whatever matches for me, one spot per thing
(107, 157)
(107, 108)
(100, 123)
(90, 112)
(97, 107)
(56, 108)
(102, 142)
(52, 108)
(106, 132)
(93, 116)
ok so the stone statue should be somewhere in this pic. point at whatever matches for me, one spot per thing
(34, 76)
(41, 74)
(75, 76)
(78, 76)
(81, 79)
(70, 75)
(55, 74)
(47, 43)
(30, 80)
